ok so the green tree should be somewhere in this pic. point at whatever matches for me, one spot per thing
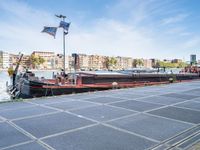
(36, 60)
(41, 60)
(157, 65)
(182, 65)
(164, 64)
(110, 62)
(106, 62)
(138, 62)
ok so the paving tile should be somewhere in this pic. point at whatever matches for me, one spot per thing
(150, 126)
(50, 100)
(28, 146)
(51, 124)
(190, 104)
(14, 105)
(1, 119)
(129, 96)
(25, 112)
(136, 105)
(146, 93)
(102, 113)
(186, 115)
(10, 136)
(162, 100)
(193, 92)
(105, 93)
(196, 99)
(99, 138)
(72, 105)
(82, 96)
(104, 100)
(179, 95)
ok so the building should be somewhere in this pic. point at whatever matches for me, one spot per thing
(147, 63)
(193, 59)
(13, 59)
(124, 62)
(167, 60)
(49, 59)
(176, 60)
(96, 62)
(4, 60)
(154, 62)
(25, 62)
(59, 62)
(83, 61)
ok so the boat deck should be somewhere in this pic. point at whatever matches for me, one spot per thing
(151, 117)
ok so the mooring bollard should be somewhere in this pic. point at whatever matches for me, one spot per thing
(114, 85)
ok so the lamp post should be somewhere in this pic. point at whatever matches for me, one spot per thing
(62, 17)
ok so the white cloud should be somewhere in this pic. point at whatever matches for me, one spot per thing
(22, 30)
(108, 35)
(174, 19)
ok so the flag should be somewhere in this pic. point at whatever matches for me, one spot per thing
(50, 30)
(64, 25)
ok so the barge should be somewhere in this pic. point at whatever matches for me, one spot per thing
(27, 85)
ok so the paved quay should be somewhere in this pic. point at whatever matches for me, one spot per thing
(152, 117)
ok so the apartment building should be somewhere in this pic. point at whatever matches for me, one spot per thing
(49, 58)
(96, 62)
(59, 61)
(4, 60)
(124, 62)
(25, 62)
(147, 63)
(176, 60)
(83, 61)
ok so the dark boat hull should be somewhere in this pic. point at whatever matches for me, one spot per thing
(31, 89)
(34, 91)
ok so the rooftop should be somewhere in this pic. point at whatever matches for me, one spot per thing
(153, 117)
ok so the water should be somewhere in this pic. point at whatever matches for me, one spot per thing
(3, 79)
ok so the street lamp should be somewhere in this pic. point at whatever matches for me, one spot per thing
(63, 19)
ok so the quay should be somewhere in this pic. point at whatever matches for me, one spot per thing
(152, 117)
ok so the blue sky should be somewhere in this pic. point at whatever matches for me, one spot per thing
(136, 28)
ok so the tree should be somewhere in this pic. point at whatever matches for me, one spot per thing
(157, 65)
(164, 64)
(138, 62)
(182, 65)
(106, 62)
(41, 60)
(36, 60)
(110, 62)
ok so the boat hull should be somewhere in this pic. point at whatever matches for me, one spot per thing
(32, 89)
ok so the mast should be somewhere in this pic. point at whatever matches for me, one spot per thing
(62, 17)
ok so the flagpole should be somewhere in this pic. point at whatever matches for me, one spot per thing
(63, 18)
(64, 46)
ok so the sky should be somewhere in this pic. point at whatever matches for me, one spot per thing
(163, 29)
